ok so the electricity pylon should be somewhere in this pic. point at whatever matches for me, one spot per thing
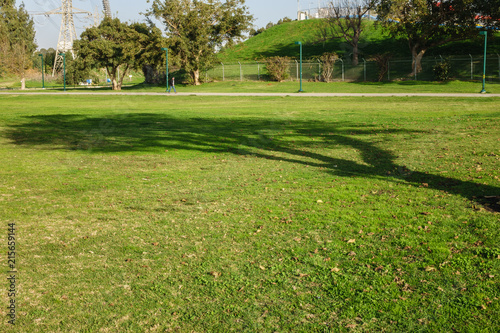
(107, 8)
(67, 33)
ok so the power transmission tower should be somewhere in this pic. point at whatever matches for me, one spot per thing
(67, 33)
(107, 8)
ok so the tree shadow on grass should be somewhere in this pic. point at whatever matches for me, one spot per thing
(303, 142)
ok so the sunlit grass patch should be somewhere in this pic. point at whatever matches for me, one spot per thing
(257, 214)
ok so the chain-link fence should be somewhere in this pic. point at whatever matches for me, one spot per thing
(461, 68)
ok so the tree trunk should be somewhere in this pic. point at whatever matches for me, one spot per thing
(417, 59)
(355, 54)
(120, 79)
(115, 84)
(196, 77)
(23, 83)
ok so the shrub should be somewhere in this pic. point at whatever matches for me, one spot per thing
(442, 71)
(328, 60)
(382, 61)
(278, 68)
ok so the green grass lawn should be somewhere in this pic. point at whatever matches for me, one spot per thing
(401, 87)
(217, 214)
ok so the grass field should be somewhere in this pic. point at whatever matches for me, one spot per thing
(402, 87)
(334, 87)
(264, 214)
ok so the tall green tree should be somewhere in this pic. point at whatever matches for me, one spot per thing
(17, 39)
(197, 29)
(118, 47)
(428, 23)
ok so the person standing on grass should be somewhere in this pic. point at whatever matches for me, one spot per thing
(172, 85)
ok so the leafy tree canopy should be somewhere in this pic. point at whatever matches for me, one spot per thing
(429, 23)
(118, 47)
(197, 29)
(17, 38)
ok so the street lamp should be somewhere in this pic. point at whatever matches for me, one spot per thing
(43, 70)
(64, 69)
(485, 34)
(166, 53)
(300, 44)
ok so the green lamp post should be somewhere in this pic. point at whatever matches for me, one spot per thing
(300, 44)
(43, 70)
(64, 69)
(166, 62)
(485, 34)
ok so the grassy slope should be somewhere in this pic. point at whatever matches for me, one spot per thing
(279, 41)
(251, 214)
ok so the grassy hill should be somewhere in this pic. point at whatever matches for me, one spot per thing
(279, 41)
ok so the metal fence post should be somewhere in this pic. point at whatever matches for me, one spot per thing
(415, 67)
(364, 68)
(388, 70)
(343, 75)
(319, 73)
(297, 65)
(498, 65)
(471, 67)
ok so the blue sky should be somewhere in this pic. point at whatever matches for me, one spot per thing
(47, 28)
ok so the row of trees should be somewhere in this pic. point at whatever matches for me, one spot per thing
(195, 30)
(424, 24)
(17, 40)
(254, 32)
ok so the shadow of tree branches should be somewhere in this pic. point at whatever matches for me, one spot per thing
(297, 141)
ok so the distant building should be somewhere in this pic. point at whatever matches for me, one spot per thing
(322, 10)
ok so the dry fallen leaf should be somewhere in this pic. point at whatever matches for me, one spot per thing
(319, 201)
(303, 275)
(335, 269)
(262, 267)
(352, 253)
(215, 274)
(430, 268)
(351, 241)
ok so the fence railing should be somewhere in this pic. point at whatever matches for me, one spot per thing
(462, 68)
